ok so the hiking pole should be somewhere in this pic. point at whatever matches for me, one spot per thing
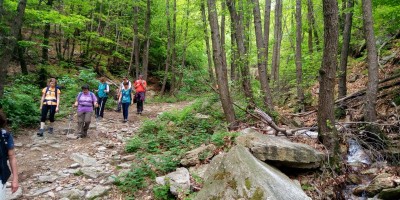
(70, 116)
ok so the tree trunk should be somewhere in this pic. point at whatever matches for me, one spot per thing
(167, 62)
(299, 67)
(342, 88)
(277, 43)
(147, 44)
(326, 118)
(267, 21)
(261, 61)
(207, 40)
(21, 50)
(173, 45)
(136, 43)
(46, 35)
(309, 30)
(313, 24)
(130, 71)
(240, 41)
(8, 43)
(220, 65)
(1, 9)
(372, 59)
(234, 70)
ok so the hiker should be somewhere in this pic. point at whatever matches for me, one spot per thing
(50, 102)
(121, 86)
(85, 101)
(140, 87)
(7, 153)
(125, 98)
(102, 91)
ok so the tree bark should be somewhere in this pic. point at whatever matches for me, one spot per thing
(147, 44)
(299, 67)
(261, 60)
(8, 43)
(240, 41)
(234, 52)
(220, 65)
(277, 43)
(372, 59)
(342, 88)
(207, 40)
(326, 118)
(309, 30)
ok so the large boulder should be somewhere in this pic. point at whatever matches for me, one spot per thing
(239, 175)
(280, 151)
(178, 180)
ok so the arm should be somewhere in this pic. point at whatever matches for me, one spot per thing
(14, 170)
(119, 96)
(42, 99)
(132, 97)
(58, 99)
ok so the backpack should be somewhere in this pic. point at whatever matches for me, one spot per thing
(56, 91)
(4, 169)
(91, 95)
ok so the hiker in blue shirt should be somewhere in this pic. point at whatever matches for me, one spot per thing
(102, 92)
(125, 98)
(7, 153)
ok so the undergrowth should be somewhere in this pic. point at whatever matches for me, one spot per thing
(160, 143)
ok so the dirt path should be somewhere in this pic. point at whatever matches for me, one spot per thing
(56, 167)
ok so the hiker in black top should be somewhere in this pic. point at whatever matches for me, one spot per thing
(50, 102)
(7, 153)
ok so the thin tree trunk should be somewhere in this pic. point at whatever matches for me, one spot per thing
(267, 21)
(234, 70)
(299, 67)
(167, 62)
(277, 43)
(313, 23)
(239, 30)
(136, 38)
(309, 30)
(1, 9)
(372, 60)
(147, 44)
(223, 8)
(185, 45)
(220, 65)
(173, 58)
(207, 40)
(46, 35)
(326, 119)
(261, 61)
(130, 71)
(21, 50)
(8, 43)
(342, 88)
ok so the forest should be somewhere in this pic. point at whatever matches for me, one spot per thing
(331, 66)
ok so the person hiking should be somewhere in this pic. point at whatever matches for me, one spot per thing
(50, 102)
(7, 153)
(125, 98)
(121, 86)
(140, 87)
(102, 92)
(85, 101)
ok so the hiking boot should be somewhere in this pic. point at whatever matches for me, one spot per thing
(40, 133)
(125, 120)
(51, 130)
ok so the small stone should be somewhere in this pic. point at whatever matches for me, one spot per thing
(74, 166)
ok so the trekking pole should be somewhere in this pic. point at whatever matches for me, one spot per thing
(70, 116)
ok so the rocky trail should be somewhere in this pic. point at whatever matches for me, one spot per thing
(59, 166)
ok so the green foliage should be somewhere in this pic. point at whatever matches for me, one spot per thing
(161, 192)
(220, 138)
(17, 102)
